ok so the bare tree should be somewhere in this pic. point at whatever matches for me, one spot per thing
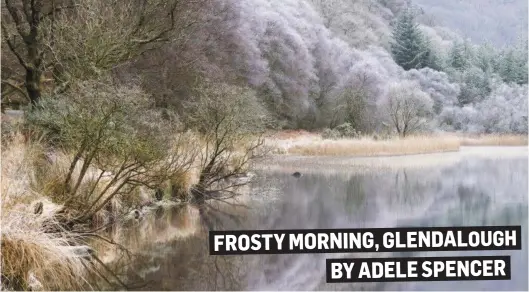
(59, 39)
(229, 119)
(407, 107)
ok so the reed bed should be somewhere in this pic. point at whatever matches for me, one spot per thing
(312, 144)
(368, 146)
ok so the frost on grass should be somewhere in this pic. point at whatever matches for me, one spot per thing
(32, 257)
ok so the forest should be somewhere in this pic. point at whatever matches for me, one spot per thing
(127, 101)
(309, 64)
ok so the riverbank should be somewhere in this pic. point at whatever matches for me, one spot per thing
(302, 143)
(37, 259)
(474, 192)
(368, 164)
(33, 258)
(41, 250)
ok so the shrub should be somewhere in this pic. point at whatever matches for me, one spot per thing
(346, 130)
(330, 134)
(230, 121)
(11, 121)
(7, 131)
(116, 140)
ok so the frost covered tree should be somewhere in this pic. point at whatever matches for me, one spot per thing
(407, 107)
(522, 58)
(475, 85)
(437, 84)
(505, 111)
(512, 64)
(360, 23)
(457, 56)
(409, 47)
(486, 57)
(283, 50)
(432, 57)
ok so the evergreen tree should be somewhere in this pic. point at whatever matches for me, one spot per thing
(511, 63)
(485, 57)
(457, 58)
(431, 57)
(508, 70)
(518, 62)
(523, 51)
(475, 86)
(409, 48)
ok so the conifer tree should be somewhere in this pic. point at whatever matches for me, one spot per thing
(431, 57)
(457, 58)
(409, 47)
(485, 57)
(513, 63)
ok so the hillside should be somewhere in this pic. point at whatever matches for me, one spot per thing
(498, 21)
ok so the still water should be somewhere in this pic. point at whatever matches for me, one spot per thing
(170, 250)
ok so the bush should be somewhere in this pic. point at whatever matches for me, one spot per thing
(330, 134)
(230, 121)
(344, 130)
(116, 140)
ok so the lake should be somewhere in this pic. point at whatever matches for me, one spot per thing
(473, 187)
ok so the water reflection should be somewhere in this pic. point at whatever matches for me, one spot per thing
(171, 251)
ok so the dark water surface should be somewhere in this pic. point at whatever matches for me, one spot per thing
(473, 191)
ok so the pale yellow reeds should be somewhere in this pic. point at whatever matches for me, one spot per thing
(368, 146)
(310, 144)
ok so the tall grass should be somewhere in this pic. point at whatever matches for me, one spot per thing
(368, 146)
(32, 256)
(312, 144)
(37, 252)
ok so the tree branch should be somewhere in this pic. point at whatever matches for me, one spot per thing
(12, 47)
(16, 88)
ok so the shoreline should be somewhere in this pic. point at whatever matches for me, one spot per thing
(318, 164)
(64, 254)
(302, 143)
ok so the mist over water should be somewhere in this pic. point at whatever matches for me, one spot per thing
(473, 191)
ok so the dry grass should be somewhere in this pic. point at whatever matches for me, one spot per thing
(33, 258)
(370, 147)
(181, 183)
(37, 260)
(312, 144)
(48, 175)
(494, 140)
